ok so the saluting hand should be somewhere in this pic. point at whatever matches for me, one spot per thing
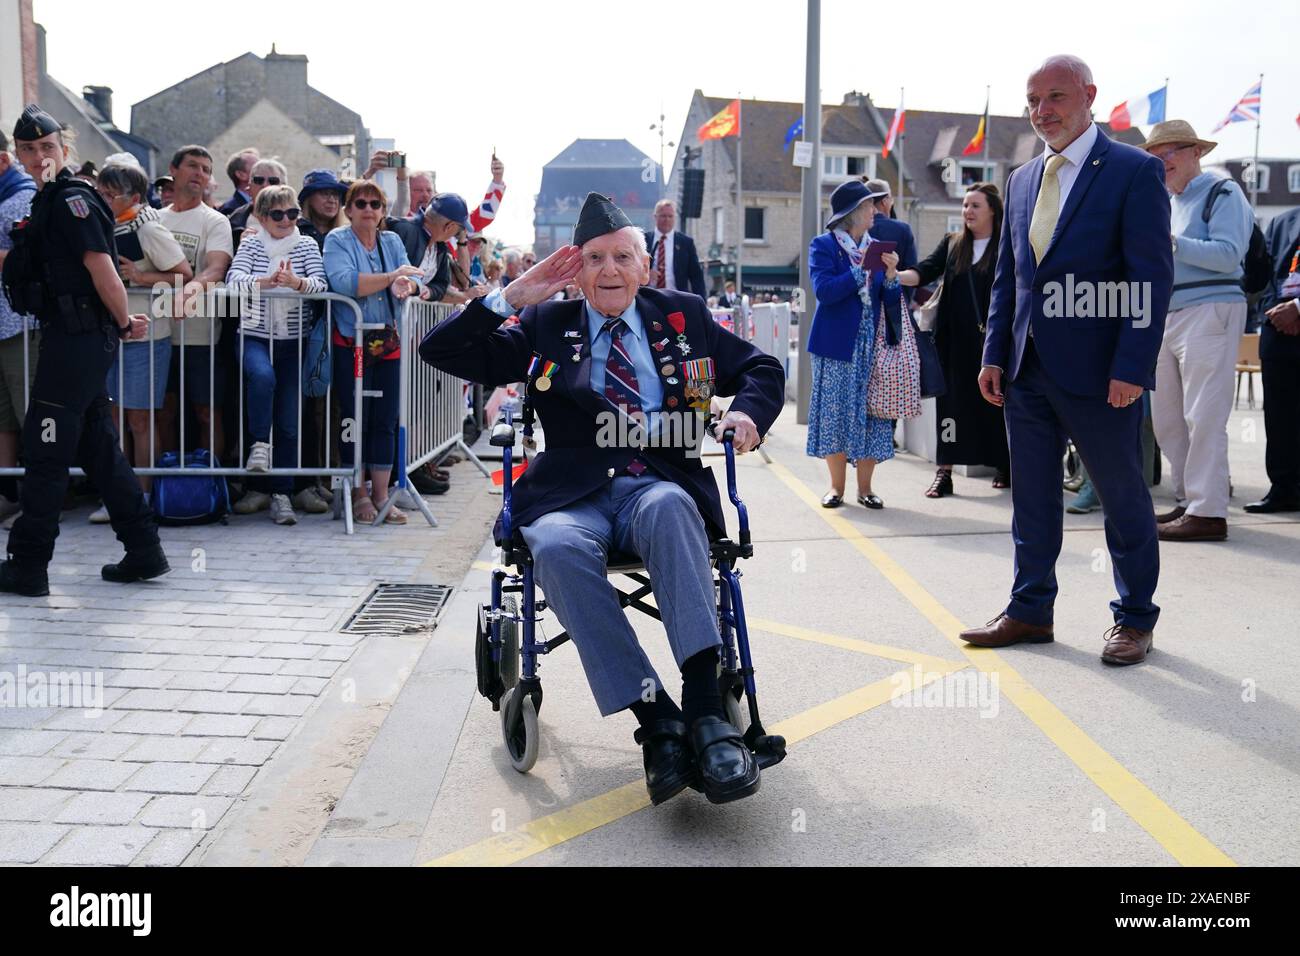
(545, 279)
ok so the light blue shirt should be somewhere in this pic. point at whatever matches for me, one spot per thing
(635, 342)
(1209, 250)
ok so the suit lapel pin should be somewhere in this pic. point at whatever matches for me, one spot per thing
(1096, 162)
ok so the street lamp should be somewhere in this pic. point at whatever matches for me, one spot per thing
(660, 127)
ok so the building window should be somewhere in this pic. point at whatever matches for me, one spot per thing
(1258, 173)
(979, 173)
(718, 236)
(833, 165)
(754, 224)
(857, 166)
(1293, 178)
(955, 224)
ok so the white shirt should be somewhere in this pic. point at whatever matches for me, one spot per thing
(667, 239)
(977, 253)
(1076, 154)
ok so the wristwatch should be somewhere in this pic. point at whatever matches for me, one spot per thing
(123, 332)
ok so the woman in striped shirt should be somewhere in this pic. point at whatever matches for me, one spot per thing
(277, 256)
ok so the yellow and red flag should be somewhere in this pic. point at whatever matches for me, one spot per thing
(977, 141)
(725, 123)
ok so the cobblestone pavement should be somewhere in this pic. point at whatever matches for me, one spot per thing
(204, 673)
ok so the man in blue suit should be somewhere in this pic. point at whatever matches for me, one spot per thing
(1084, 276)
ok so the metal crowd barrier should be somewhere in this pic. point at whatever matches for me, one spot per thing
(223, 304)
(432, 409)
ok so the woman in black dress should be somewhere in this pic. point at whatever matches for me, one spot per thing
(971, 431)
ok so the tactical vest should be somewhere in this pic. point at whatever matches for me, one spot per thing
(48, 278)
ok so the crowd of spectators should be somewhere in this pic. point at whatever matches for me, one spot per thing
(221, 361)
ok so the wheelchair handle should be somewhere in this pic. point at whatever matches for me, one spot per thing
(728, 444)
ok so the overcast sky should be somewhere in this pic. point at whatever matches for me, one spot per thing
(456, 79)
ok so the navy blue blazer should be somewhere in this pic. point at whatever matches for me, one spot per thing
(839, 310)
(473, 346)
(1114, 228)
(686, 262)
(895, 230)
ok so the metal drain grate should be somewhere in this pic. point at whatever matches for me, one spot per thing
(398, 609)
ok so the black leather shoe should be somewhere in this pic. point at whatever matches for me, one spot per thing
(137, 566)
(669, 767)
(727, 769)
(871, 501)
(832, 500)
(427, 484)
(27, 581)
(1272, 504)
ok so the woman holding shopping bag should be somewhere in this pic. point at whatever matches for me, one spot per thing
(856, 311)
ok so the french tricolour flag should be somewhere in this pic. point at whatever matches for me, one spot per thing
(1143, 111)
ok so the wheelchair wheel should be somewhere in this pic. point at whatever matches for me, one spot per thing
(509, 643)
(519, 729)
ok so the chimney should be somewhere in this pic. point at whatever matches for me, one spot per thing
(101, 98)
(286, 83)
(854, 98)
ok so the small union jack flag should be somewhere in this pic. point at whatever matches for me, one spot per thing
(1246, 110)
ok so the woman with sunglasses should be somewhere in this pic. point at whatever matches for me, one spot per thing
(275, 257)
(368, 262)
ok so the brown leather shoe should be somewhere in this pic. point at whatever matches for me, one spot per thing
(1194, 528)
(1172, 515)
(1004, 631)
(1127, 645)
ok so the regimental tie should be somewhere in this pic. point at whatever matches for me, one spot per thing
(661, 276)
(621, 388)
(1047, 209)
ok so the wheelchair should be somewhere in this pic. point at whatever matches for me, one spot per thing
(506, 645)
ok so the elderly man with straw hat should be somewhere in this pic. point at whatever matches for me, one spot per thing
(1210, 221)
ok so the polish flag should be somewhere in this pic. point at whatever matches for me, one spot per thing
(1143, 111)
(895, 127)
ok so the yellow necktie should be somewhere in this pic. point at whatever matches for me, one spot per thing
(1047, 209)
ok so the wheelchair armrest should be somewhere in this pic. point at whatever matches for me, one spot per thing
(503, 435)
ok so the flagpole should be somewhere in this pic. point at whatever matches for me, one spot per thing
(902, 135)
(1254, 179)
(986, 130)
(740, 205)
(1166, 96)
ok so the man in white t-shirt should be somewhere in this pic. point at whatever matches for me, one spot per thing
(205, 237)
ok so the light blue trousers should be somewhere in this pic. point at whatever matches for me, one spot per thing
(646, 516)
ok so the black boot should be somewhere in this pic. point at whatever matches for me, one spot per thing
(24, 579)
(137, 566)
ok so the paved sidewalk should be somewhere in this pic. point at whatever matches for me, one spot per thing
(205, 673)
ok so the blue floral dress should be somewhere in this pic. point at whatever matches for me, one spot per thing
(837, 413)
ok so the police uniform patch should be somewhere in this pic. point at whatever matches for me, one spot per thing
(80, 208)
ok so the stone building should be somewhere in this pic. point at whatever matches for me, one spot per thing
(612, 167)
(264, 102)
(853, 137)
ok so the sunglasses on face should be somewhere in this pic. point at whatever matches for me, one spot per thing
(280, 215)
(529, 262)
(375, 204)
(266, 180)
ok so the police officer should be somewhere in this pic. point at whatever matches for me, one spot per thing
(63, 269)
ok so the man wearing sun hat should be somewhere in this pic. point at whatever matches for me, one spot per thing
(1210, 221)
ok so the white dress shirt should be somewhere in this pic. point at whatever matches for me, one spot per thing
(1076, 154)
(669, 281)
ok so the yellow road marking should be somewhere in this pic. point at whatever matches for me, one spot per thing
(537, 836)
(848, 643)
(1188, 846)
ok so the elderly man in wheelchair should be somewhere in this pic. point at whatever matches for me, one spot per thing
(613, 379)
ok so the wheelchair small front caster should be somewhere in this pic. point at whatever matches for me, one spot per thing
(519, 728)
